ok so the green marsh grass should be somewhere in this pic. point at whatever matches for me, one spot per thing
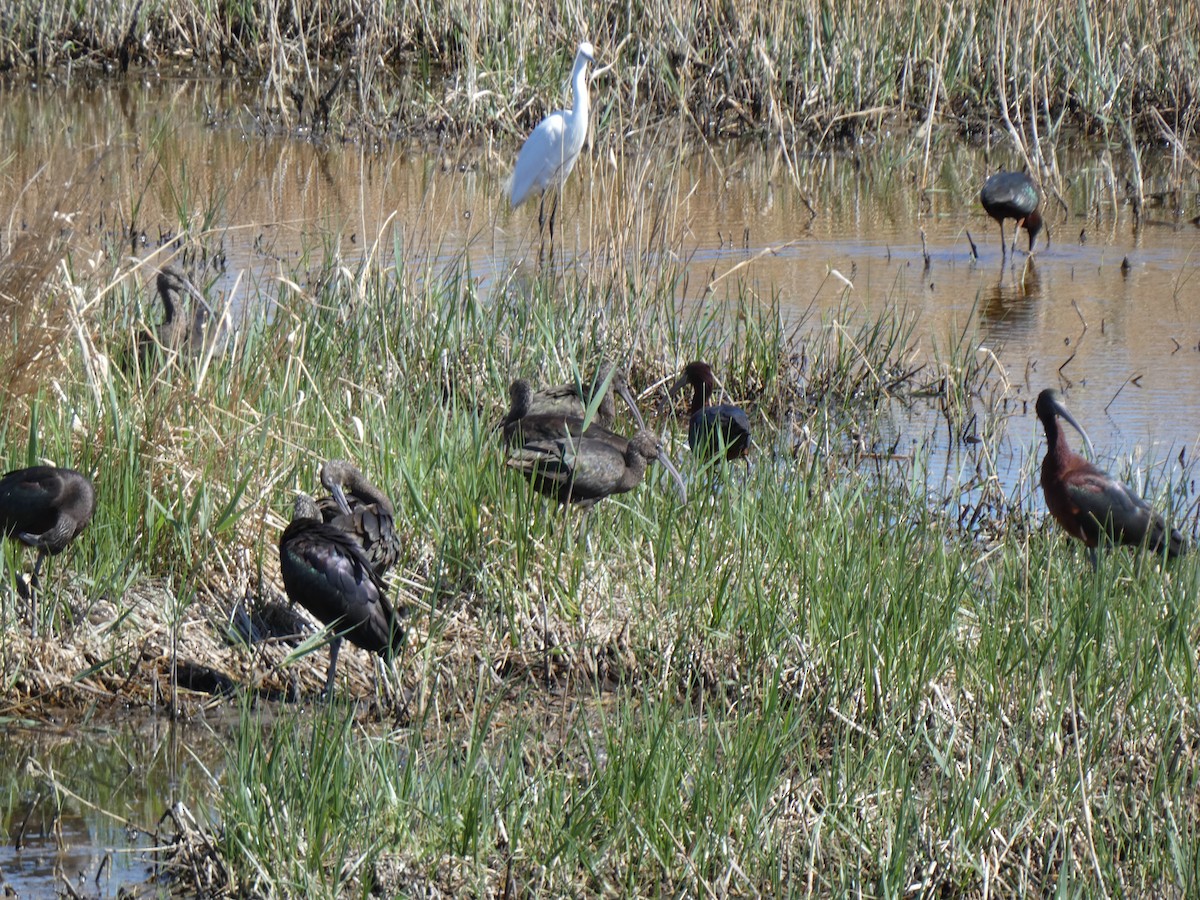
(809, 678)
(817, 677)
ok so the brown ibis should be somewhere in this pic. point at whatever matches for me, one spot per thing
(362, 510)
(1090, 504)
(186, 328)
(1013, 195)
(573, 399)
(712, 430)
(581, 468)
(521, 425)
(326, 571)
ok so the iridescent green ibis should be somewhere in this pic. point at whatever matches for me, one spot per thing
(362, 510)
(45, 507)
(185, 328)
(1090, 504)
(582, 469)
(1013, 195)
(712, 430)
(327, 572)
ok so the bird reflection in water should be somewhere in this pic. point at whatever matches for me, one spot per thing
(1008, 305)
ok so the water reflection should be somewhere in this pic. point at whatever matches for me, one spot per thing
(78, 806)
(1007, 307)
(168, 166)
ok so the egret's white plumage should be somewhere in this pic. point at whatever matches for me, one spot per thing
(550, 152)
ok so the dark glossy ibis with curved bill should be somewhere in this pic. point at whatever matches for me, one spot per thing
(523, 424)
(362, 510)
(327, 572)
(582, 469)
(185, 328)
(45, 507)
(572, 399)
(1013, 195)
(1090, 504)
(712, 429)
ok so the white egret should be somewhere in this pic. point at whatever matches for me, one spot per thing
(550, 152)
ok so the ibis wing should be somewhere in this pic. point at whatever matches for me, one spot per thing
(32, 495)
(339, 565)
(723, 427)
(1110, 510)
(329, 575)
(44, 506)
(549, 460)
(561, 393)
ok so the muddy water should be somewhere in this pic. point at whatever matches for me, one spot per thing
(836, 237)
(79, 806)
(161, 157)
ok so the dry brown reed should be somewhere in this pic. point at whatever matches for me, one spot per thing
(782, 70)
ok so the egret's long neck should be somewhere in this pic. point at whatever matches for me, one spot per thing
(579, 88)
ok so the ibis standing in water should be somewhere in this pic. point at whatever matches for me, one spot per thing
(712, 429)
(362, 510)
(1013, 195)
(1090, 504)
(45, 507)
(186, 327)
(326, 571)
(549, 153)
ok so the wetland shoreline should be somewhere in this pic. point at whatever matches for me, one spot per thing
(825, 674)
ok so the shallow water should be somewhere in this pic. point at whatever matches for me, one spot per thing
(1108, 311)
(1126, 342)
(145, 161)
(80, 804)
(162, 155)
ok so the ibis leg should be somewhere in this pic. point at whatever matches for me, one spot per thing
(34, 590)
(334, 648)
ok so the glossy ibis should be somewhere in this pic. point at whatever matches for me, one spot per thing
(183, 329)
(1089, 503)
(572, 399)
(712, 429)
(549, 153)
(361, 510)
(327, 572)
(45, 507)
(582, 468)
(1013, 195)
(532, 412)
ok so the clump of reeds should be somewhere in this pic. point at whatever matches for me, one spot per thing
(781, 69)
